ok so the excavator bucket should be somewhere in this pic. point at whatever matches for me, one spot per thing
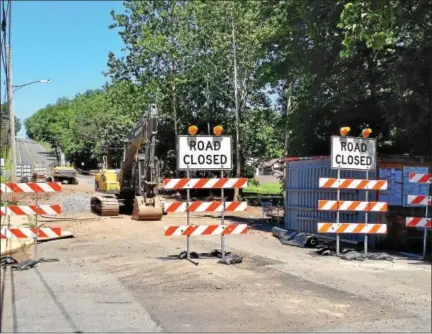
(152, 210)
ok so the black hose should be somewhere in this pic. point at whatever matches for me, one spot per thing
(24, 265)
(7, 261)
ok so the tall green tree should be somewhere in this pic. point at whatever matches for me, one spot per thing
(5, 117)
(399, 34)
(155, 39)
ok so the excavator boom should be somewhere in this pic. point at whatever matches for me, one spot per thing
(139, 175)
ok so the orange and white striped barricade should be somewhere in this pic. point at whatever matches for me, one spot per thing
(30, 187)
(194, 230)
(198, 206)
(420, 200)
(29, 210)
(328, 205)
(359, 154)
(352, 228)
(27, 233)
(363, 206)
(205, 183)
(420, 178)
(202, 206)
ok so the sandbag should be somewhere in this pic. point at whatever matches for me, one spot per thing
(231, 259)
(380, 256)
(294, 238)
(353, 255)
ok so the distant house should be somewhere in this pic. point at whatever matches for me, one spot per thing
(273, 167)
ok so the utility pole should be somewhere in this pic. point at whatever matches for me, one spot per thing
(11, 112)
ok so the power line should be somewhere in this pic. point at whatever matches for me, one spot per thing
(6, 30)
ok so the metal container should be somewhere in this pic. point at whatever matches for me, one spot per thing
(303, 193)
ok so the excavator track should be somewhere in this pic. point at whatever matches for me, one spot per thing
(152, 210)
(104, 205)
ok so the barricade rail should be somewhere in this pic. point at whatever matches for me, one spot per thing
(199, 206)
(420, 200)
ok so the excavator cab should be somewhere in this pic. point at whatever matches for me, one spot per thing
(107, 180)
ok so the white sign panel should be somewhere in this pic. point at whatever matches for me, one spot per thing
(353, 153)
(204, 153)
(1, 162)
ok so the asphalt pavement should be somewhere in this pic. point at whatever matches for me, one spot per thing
(30, 152)
(67, 297)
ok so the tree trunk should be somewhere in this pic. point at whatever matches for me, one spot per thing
(174, 107)
(209, 174)
(430, 117)
(285, 176)
(174, 84)
(237, 106)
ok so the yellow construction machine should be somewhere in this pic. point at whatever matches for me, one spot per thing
(138, 178)
(61, 173)
(107, 180)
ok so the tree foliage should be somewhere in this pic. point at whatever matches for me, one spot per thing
(357, 63)
(5, 119)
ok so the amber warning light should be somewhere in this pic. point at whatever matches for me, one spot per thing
(366, 132)
(217, 130)
(344, 131)
(192, 130)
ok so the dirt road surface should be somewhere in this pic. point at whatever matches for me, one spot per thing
(122, 275)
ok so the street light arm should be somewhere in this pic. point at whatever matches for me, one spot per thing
(16, 87)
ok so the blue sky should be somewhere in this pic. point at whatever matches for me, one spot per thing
(64, 41)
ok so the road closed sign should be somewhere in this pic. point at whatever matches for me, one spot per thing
(204, 153)
(353, 153)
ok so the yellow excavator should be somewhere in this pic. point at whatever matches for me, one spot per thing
(139, 176)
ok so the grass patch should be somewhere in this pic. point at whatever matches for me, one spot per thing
(271, 188)
(7, 166)
(3, 179)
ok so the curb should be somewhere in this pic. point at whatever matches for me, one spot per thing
(22, 246)
(30, 242)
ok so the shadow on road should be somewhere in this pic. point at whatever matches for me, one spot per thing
(253, 223)
(57, 302)
(422, 263)
(49, 154)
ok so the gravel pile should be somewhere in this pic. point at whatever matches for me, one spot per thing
(73, 203)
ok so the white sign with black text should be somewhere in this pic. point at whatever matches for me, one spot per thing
(353, 153)
(204, 153)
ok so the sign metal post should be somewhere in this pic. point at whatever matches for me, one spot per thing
(366, 218)
(425, 233)
(223, 218)
(188, 217)
(338, 214)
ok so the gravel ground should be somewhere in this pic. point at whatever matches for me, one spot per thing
(73, 203)
(276, 288)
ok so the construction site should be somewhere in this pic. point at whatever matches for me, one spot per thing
(215, 166)
(128, 251)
